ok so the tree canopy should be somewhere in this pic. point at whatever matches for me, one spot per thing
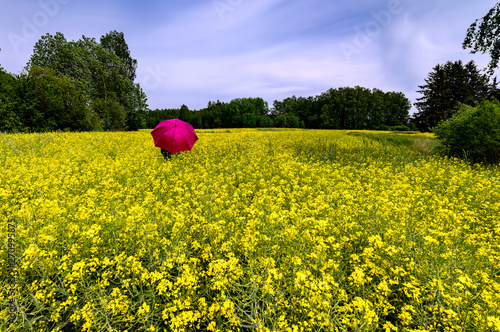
(10, 119)
(342, 108)
(348, 108)
(74, 85)
(41, 100)
(115, 42)
(106, 72)
(448, 86)
(484, 36)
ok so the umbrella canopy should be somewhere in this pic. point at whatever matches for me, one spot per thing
(174, 135)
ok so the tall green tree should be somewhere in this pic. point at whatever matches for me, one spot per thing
(183, 113)
(138, 107)
(108, 113)
(484, 36)
(329, 118)
(101, 68)
(376, 116)
(248, 112)
(446, 87)
(347, 108)
(52, 102)
(115, 42)
(397, 108)
(54, 51)
(10, 117)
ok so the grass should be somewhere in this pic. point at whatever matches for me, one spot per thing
(410, 139)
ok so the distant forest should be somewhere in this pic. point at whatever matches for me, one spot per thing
(341, 108)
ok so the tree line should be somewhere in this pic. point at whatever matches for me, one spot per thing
(238, 113)
(342, 108)
(348, 108)
(89, 85)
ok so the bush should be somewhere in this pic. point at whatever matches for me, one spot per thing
(381, 127)
(399, 128)
(473, 133)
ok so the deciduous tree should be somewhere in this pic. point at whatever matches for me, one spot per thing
(115, 42)
(52, 102)
(10, 118)
(484, 36)
(106, 71)
(473, 133)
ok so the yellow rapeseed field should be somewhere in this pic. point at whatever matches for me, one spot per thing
(252, 230)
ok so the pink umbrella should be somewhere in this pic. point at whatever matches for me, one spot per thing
(174, 135)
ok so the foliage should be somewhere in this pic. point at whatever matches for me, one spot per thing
(11, 120)
(344, 108)
(446, 87)
(115, 42)
(238, 113)
(40, 100)
(348, 108)
(56, 102)
(482, 36)
(288, 120)
(290, 230)
(473, 133)
(106, 72)
(153, 117)
(109, 113)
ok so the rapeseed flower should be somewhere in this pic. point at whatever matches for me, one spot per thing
(292, 230)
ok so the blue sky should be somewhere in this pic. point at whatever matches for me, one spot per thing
(192, 52)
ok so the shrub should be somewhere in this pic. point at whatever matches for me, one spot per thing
(473, 133)
(400, 128)
(381, 127)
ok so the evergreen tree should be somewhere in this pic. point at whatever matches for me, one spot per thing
(446, 87)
